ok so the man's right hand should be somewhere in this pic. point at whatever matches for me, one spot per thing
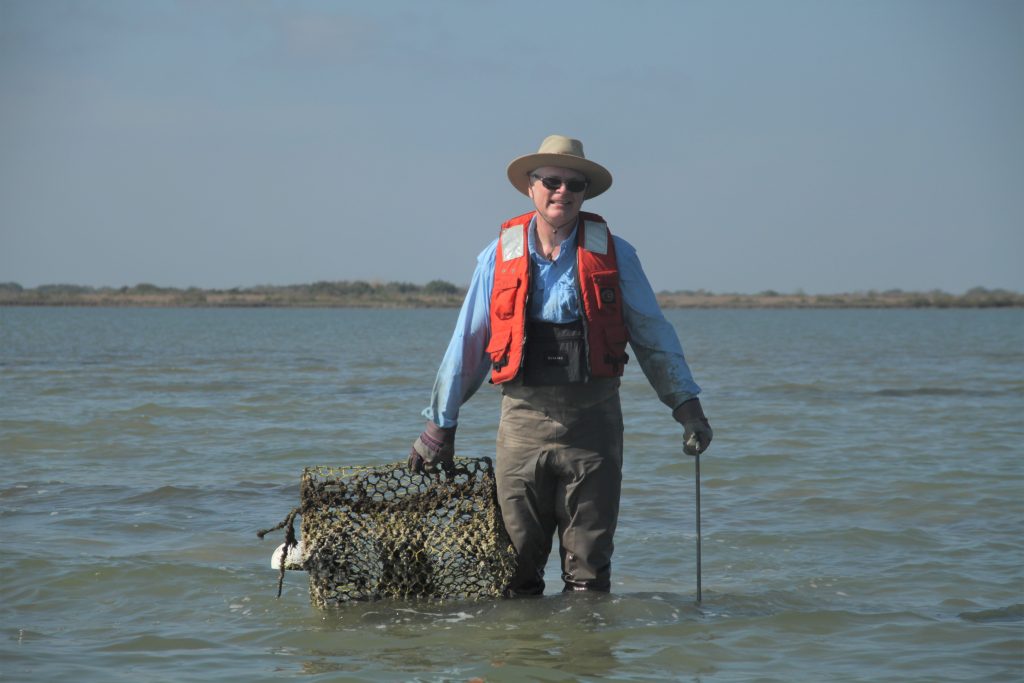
(434, 448)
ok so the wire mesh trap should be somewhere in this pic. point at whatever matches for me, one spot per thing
(372, 532)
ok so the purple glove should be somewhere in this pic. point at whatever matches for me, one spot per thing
(433, 448)
(696, 429)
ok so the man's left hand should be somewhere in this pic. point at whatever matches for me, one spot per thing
(697, 432)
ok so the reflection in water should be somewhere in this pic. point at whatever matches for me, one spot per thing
(581, 634)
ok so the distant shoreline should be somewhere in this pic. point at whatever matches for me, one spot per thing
(440, 294)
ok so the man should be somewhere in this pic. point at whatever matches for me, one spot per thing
(551, 306)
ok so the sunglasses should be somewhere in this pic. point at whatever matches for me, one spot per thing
(553, 182)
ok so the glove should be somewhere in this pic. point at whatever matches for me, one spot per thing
(696, 429)
(434, 447)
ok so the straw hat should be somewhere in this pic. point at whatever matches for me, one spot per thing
(558, 150)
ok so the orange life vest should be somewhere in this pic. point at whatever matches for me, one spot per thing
(597, 281)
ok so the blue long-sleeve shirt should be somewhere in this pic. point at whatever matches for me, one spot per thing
(554, 298)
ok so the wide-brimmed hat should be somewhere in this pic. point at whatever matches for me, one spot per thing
(558, 150)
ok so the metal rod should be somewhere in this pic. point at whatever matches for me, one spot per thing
(696, 464)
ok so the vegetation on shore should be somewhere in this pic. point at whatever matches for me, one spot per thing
(441, 294)
(978, 297)
(319, 294)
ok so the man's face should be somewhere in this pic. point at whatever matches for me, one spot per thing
(559, 206)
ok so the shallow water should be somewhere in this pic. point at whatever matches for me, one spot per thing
(861, 504)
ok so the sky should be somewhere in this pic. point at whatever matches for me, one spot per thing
(821, 146)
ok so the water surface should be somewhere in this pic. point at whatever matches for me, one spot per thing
(862, 514)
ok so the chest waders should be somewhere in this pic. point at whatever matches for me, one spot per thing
(559, 461)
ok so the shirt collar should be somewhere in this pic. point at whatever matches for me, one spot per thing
(568, 246)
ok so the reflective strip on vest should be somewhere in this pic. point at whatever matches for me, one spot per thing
(513, 244)
(596, 237)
